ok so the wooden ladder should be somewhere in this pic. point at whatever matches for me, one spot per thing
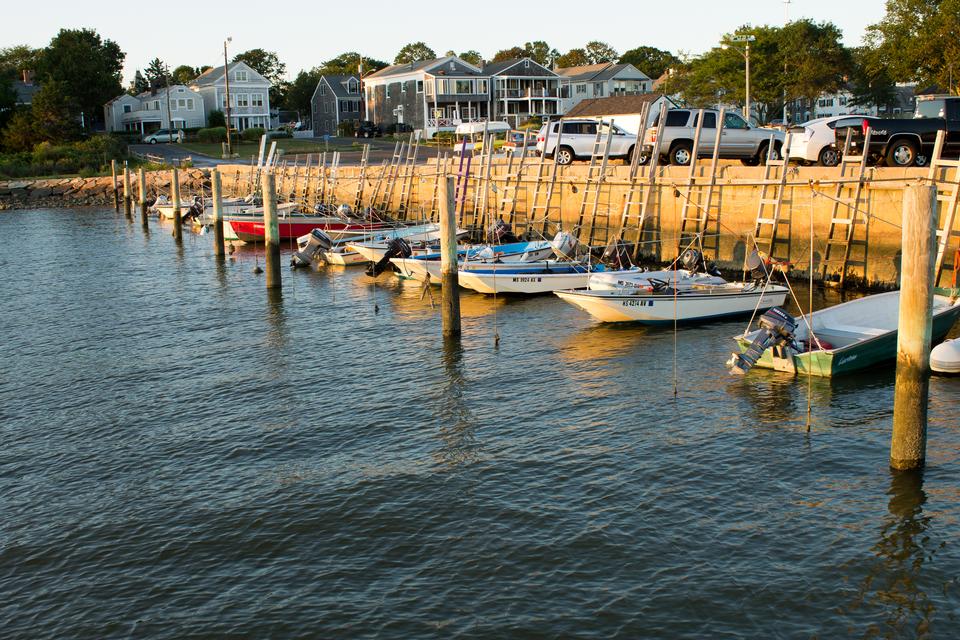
(596, 173)
(948, 189)
(392, 172)
(772, 226)
(640, 195)
(406, 184)
(507, 203)
(545, 182)
(847, 214)
(699, 200)
(361, 178)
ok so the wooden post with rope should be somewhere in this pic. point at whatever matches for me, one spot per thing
(142, 194)
(450, 302)
(116, 189)
(908, 444)
(216, 189)
(271, 231)
(175, 201)
(127, 194)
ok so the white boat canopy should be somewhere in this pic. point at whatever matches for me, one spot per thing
(474, 128)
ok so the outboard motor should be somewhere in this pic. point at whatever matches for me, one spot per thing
(693, 261)
(565, 245)
(502, 233)
(311, 247)
(777, 328)
(758, 267)
(344, 211)
(397, 248)
(617, 256)
(195, 212)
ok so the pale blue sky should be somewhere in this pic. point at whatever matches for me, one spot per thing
(306, 33)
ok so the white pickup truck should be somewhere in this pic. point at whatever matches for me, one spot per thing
(578, 139)
(738, 140)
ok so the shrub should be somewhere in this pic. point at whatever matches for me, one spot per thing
(212, 134)
(347, 129)
(216, 119)
(252, 134)
(279, 133)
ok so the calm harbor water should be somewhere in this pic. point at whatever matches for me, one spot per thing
(186, 456)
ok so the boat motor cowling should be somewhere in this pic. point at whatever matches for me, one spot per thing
(565, 245)
(195, 212)
(777, 327)
(397, 248)
(694, 261)
(758, 267)
(617, 256)
(502, 233)
(311, 247)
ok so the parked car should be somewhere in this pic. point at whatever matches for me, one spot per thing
(738, 141)
(367, 129)
(814, 142)
(163, 135)
(515, 143)
(578, 139)
(904, 142)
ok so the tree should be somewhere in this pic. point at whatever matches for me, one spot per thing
(598, 52)
(541, 52)
(267, 64)
(917, 41)
(157, 73)
(216, 119)
(471, 56)
(573, 58)
(185, 74)
(814, 58)
(414, 52)
(652, 61)
(870, 81)
(51, 118)
(18, 58)
(88, 67)
(348, 64)
(301, 89)
(512, 53)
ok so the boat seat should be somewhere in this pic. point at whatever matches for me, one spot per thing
(849, 331)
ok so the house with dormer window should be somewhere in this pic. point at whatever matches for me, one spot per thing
(152, 110)
(249, 94)
(601, 81)
(522, 89)
(337, 99)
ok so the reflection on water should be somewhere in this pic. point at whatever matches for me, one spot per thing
(893, 584)
(459, 442)
(276, 316)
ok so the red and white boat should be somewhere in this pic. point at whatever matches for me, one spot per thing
(293, 225)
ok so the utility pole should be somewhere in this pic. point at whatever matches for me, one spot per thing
(226, 80)
(166, 75)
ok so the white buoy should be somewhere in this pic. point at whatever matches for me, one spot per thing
(945, 357)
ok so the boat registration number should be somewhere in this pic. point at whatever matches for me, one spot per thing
(528, 279)
(637, 303)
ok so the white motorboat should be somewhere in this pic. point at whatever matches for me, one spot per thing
(636, 279)
(665, 305)
(529, 281)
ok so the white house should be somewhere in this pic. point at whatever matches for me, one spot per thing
(148, 111)
(249, 95)
(601, 81)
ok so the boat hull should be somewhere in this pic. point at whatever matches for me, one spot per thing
(522, 283)
(664, 309)
(250, 229)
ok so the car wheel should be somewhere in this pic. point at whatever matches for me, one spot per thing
(902, 153)
(681, 154)
(774, 155)
(829, 157)
(922, 160)
(564, 155)
(153, 141)
(367, 134)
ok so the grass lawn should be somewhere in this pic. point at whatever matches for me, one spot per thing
(248, 149)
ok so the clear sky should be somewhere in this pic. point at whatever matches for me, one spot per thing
(306, 33)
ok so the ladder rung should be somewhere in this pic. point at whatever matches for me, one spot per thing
(774, 163)
(765, 220)
(842, 221)
(945, 197)
(945, 163)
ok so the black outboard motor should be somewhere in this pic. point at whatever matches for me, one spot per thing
(617, 256)
(693, 261)
(502, 233)
(195, 211)
(776, 328)
(398, 248)
(310, 248)
(759, 269)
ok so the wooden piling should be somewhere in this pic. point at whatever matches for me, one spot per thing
(908, 445)
(450, 305)
(116, 189)
(217, 189)
(175, 200)
(271, 230)
(142, 194)
(127, 193)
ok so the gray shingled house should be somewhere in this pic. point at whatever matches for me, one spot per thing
(522, 88)
(336, 99)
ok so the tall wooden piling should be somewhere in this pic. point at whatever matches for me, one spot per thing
(116, 189)
(217, 190)
(142, 194)
(175, 201)
(450, 305)
(271, 230)
(908, 445)
(127, 193)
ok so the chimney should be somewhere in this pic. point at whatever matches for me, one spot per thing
(28, 75)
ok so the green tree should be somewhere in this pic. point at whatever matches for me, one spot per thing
(8, 99)
(814, 58)
(573, 58)
(598, 52)
(185, 74)
(51, 118)
(471, 56)
(652, 61)
(18, 58)
(512, 53)
(414, 52)
(301, 89)
(157, 73)
(139, 84)
(870, 81)
(267, 64)
(917, 41)
(541, 52)
(88, 67)
(216, 119)
(348, 64)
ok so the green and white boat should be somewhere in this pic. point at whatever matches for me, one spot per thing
(847, 337)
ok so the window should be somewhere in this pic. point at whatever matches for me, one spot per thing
(581, 89)
(403, 87)
(580, 128)
(598, 89)
(825, 102)
(181, 104)
(419, 86)
(733, 121)
(156, 105)
(243, 100)
(323, 90)
(387, 89)
(463, 86)
(126, 108)
(677, 118)
(481, 86)
(223, 101)
(709, 120)
(256, 99)
(240, 75)
(526, 63)
(190, 104)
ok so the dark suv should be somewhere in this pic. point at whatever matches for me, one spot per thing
(367, 129)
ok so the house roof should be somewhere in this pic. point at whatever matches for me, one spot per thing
(613, 105)
(613, 69)
(495, 68)
(583, 72)
(25, 91)
(452, 65)
(214, 75)
(336, 84)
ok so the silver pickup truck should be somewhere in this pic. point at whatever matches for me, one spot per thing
(738, 140)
